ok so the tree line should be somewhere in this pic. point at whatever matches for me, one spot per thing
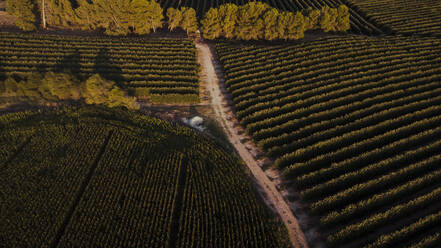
(257, 20)
(252, 21)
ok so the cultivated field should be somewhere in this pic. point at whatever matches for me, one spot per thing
(355, 124)
(403, 16)
(95, 177)
(165, 70)
(359, 24)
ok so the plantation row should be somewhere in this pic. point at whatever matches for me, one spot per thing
(157, 67)
(411, 17)
(356, 128)
(97, 177)
(359, 24)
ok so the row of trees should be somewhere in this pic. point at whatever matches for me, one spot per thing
(117, 17)
(252, 21)
(257, 20)
(52, 87)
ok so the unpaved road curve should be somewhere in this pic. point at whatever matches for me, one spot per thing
(272, 195)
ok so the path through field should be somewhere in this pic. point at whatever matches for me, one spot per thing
(271, 195)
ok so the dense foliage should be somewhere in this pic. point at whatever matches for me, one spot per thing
(96, 177)
(408, 17)
(358, 23)
(356, 127)
(257, 20)
(54, 87)
(154, 68)
(120, 17)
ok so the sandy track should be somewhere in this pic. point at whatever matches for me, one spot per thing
(270, 193)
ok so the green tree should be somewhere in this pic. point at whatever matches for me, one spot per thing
(97, 90)
(84, 15)
(174, 18)
(58, 12)
(343, 15)
(328, 19)
(23, 11)
(147, 16)
(28, 87)
(282, 24)
(250, 24)
(117, 97)
(211, 24)
(228, 19)
(189, 21)
(9, 87)
(270, 20)
(59, 86)
(312, 19)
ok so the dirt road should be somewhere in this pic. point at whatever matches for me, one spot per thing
(271, 194)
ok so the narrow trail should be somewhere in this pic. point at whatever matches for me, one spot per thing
(271, 194)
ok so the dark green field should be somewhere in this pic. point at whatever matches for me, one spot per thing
(354, 124)
(96, 177)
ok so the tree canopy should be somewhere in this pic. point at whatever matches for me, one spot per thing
(257, 20)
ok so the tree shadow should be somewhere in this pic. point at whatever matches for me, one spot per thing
(2, 71)
(69, 64)
(104, 67)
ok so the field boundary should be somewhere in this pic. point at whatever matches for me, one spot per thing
(80, 193)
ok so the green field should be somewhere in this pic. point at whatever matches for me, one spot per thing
(354, 124)
(96, 177)
(164, 69)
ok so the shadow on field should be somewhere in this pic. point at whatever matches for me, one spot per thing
(2, 71)
(70, 64)
(104, 67)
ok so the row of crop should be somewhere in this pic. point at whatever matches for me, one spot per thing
(291, 84)
(321, 58)
(378, 105)
(224, 210)
(53, 165)
(91, 50)
(313, 80)
(78, 40)
(239, 60)
(69, 54)
(361, 208)
(337, 138)
(104, 68)
(131, 193)
(370, 179)
(366, 150)
(148, 64)
(263, 128)
(431, 241)
(45, 41)
(356, 230)
(285, 85)
(419, 17)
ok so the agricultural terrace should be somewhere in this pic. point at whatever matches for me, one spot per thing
(354, 124)
(100, 177)
(164, 70)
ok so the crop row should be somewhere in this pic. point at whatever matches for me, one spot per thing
(355, 126)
